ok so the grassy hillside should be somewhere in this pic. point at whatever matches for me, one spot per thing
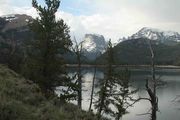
(22, 100)
(137, 52)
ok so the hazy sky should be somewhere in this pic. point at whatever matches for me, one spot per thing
(111, 18)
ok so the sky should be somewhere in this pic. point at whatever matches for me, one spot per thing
(112, 18)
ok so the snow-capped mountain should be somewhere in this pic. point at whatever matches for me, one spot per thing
(10, 17)
(16, 26)
(16, 21)
(156, 34)
(93, 45)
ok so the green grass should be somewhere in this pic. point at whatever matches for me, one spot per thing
(20, 99)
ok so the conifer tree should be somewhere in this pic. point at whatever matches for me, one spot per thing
(45, 62)
(122, 96)
(102, 105)
(115, 90)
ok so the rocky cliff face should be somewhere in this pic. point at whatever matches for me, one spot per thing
(93, 45)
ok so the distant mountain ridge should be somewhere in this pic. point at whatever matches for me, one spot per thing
(14, 34)
(131, 50)
(136, 52)
(16, 21)
(156, 34)
(16, 28)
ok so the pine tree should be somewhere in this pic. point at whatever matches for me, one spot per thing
(45, 64)
(106, 89)
(115, 90)
(122, 96)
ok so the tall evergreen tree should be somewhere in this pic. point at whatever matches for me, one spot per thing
(45, 62)
(122, 96)
(105, 92)
(115, 90)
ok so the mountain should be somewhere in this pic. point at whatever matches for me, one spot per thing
(93, 45)
(16, 21)
(16, 28)
(136, 52)
(166, 37)
(14, 32)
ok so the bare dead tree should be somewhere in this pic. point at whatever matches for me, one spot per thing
(153, 99)
(92, 89)
(152, 91)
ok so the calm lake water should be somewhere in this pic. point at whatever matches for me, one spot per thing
(168, 109)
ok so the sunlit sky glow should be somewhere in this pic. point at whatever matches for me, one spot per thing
(111, 18)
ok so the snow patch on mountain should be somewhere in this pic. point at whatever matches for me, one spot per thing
(88, 44)
(10, 17)
(156, 34)
(93, 45)
(15, 21)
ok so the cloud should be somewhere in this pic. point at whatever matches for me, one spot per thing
(4, 7)
(25, 10)
(112, 26)
(111, 18)
(119, 18)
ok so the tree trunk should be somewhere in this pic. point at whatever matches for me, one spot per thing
(92, 90)
(79, 83)
(151, 93)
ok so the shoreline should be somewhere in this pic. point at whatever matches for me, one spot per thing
(128, 66)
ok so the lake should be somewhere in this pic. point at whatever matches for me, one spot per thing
(168, 108)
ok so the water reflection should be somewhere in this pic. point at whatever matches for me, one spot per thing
(168, 109)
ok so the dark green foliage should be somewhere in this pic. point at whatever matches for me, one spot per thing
(122, 96)
(12, 44)
(71, 92)
(104, 101)
(114, 90)
(11, 50)
(74, 90)
(70, 58)
(136, 52)
(2, 23)
(21, 99)
(45, 62)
